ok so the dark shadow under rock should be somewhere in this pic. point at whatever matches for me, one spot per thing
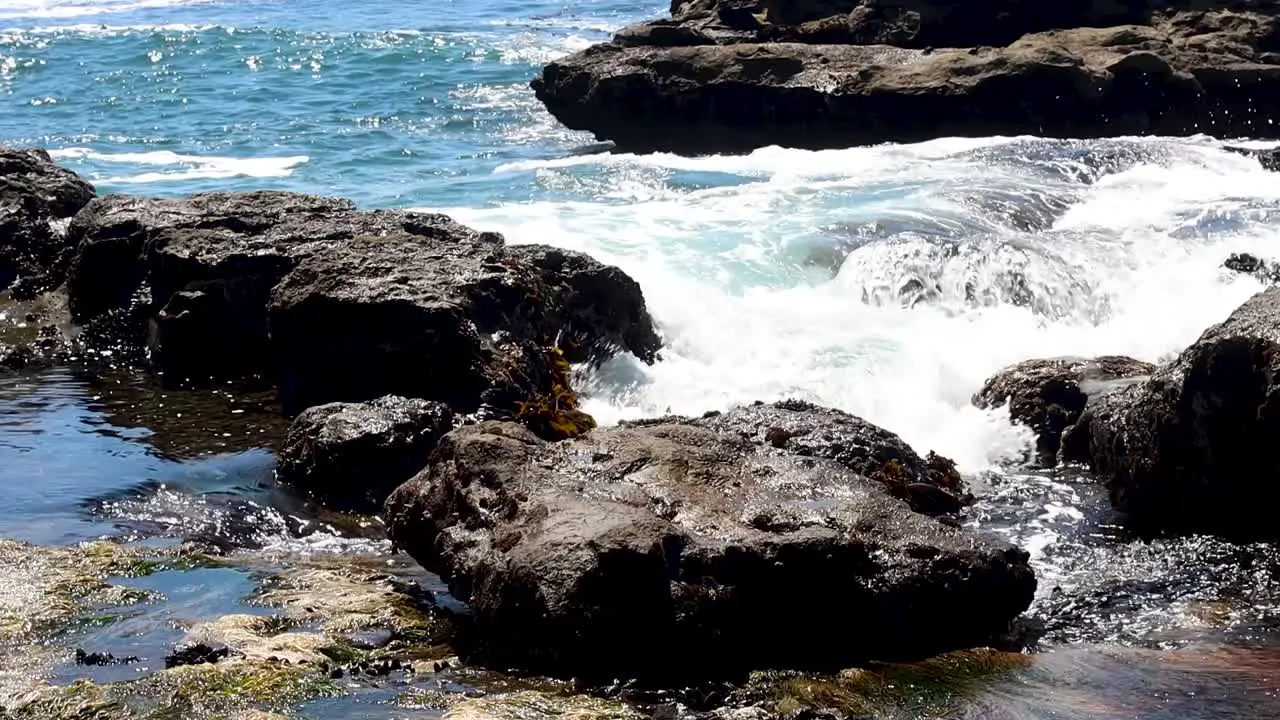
(350, 456)
(659, 550)
(1048, 396)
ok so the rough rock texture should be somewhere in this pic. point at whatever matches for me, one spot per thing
(725, 82)
(1268, 271)
(418, 301)
(1049, 395)
(350, 456)
(676, 547)
(1268, 158)
(35, 196)
(1193, 446)
(466, 323)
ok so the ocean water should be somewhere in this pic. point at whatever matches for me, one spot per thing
(889, 281)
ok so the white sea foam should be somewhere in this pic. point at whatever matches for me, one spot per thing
(1130, 267)
(184, 167)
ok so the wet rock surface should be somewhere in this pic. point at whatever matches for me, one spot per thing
(1267, 271)
(304, 290)
(656, 549)
(36, 197)
(481, 317)
(352, 455)
(1191, 446)
(1049, 395)
(728, 76)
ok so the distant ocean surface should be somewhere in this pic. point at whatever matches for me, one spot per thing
(889, 281)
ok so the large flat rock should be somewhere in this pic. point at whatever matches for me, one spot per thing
(765, 537)
(1182, 74)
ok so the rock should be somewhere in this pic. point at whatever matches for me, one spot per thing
(1191, 448)
(337, 304)
(1184, 73)
(1268, 158)
(1268, 271)
(205, 265)
(660, 549)
(466, 323)
(1049, 395)
(196, 654)
(350, 456)
(35, 197)
(804, 429)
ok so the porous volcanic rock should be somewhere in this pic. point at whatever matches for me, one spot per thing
(350, 456)
(669, 548)
(1049, 395)
(36, 197)
(731, 77)
(1191, 447)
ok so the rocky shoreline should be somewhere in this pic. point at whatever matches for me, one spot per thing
(426, 368)
(735, 75)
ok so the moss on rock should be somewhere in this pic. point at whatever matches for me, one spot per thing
(534, 705)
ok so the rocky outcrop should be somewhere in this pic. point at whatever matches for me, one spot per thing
(1267, 271)
(659, 549)
(730, 76)
(1192, 446)
(350, 456)
(338, 304)
(1268, 158)
(36, 197)
(1048, 396)
(466, 323)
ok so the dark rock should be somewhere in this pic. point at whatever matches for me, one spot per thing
(804, 429)
(1191, 448)
(205, 265)
(1049, 395)
(196, 654)
(464, 322)
(659, 549)
(350, 456)
(35, 197)
(1182, 74)
(97, 658)
(1268, 158)
(1267, 271)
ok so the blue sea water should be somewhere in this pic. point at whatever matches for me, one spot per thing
(887, 280)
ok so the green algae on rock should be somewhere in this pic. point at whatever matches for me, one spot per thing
(930, 688)
(534, 705)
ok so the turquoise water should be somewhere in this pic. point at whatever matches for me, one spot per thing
(889, 281)
(387, 103)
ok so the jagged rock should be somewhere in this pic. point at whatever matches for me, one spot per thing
(242, 284)
(35, 197)
(351, 456)
(196, 654)
(1192, 446)
(1268, 158)
(1267, 271)
(668, 88)
(470, 324)
(658, 549)
(1049, 395)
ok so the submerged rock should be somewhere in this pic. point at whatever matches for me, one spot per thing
(864, 73)
(36, 195)
(352, 455)
(658, 549)
(1192, 446)
(196, 654)
(1268, 158)
(1048, 396)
